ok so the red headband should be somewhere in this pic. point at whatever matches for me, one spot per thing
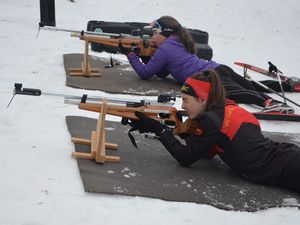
(200, 87)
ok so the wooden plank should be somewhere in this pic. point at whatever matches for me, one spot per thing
(82, 155)
(81, 141)
(100, 152)
(111, 146)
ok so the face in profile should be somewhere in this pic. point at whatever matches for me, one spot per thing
(192, 106)
(157, 37)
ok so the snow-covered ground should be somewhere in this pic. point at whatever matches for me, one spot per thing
(40, 182)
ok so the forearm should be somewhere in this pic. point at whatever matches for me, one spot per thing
(162, 74)
(139, 67)
(156, 65)
(182, 153)
(196, 146)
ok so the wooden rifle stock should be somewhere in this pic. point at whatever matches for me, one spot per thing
(160, 113)
(146, 47)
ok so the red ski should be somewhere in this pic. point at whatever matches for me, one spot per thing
(262, 71)
(294, 81)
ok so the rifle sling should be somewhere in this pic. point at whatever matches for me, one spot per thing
(131, 137)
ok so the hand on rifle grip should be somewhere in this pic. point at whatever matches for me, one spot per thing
(123, 50)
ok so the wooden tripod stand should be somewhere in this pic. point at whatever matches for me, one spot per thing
(97, 142)
(85, 69)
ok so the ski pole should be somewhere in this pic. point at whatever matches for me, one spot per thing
(277, 71)
(267, 88)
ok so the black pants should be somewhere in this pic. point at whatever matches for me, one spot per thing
(289, 177)
(244, 91)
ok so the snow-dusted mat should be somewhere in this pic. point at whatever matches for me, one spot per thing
(151, 171)
(119, 79)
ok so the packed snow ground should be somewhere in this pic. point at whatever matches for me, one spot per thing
(40, 182)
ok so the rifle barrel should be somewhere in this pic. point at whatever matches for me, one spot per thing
(76, 33)
(75, 100)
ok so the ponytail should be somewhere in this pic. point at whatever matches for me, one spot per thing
(183, 34)
(186, 39)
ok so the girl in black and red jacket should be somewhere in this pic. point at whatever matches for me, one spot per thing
(229, 131)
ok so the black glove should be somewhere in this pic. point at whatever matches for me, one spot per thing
(147, 124)
(145, 59)
(136, 125)
(124, 50)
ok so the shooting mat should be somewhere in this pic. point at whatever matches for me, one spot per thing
(150, 171)
(120, 79)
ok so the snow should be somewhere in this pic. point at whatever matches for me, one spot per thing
(40, 181)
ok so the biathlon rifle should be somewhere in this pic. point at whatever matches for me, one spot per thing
(143, 45)
(165, 114)
(161, 110)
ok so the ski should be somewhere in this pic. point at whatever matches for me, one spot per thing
(284, 78)
(293, 81)
(266, 116)
(277, 116)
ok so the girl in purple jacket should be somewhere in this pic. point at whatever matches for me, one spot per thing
(176, 55)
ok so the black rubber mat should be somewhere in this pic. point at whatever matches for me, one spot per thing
(150, 171)
(119, 79)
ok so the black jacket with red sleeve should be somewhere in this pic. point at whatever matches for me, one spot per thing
(235, 135)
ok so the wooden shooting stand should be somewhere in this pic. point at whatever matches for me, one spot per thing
(97, 142)
(85, 69)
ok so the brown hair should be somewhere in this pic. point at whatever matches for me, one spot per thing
(183, 34)
(217, 93)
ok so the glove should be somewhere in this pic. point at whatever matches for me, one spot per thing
(146, 124)
(123, 50)
(145, 59)
(136, 125)
(272, 68)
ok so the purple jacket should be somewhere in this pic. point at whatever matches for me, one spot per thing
(172, 58)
